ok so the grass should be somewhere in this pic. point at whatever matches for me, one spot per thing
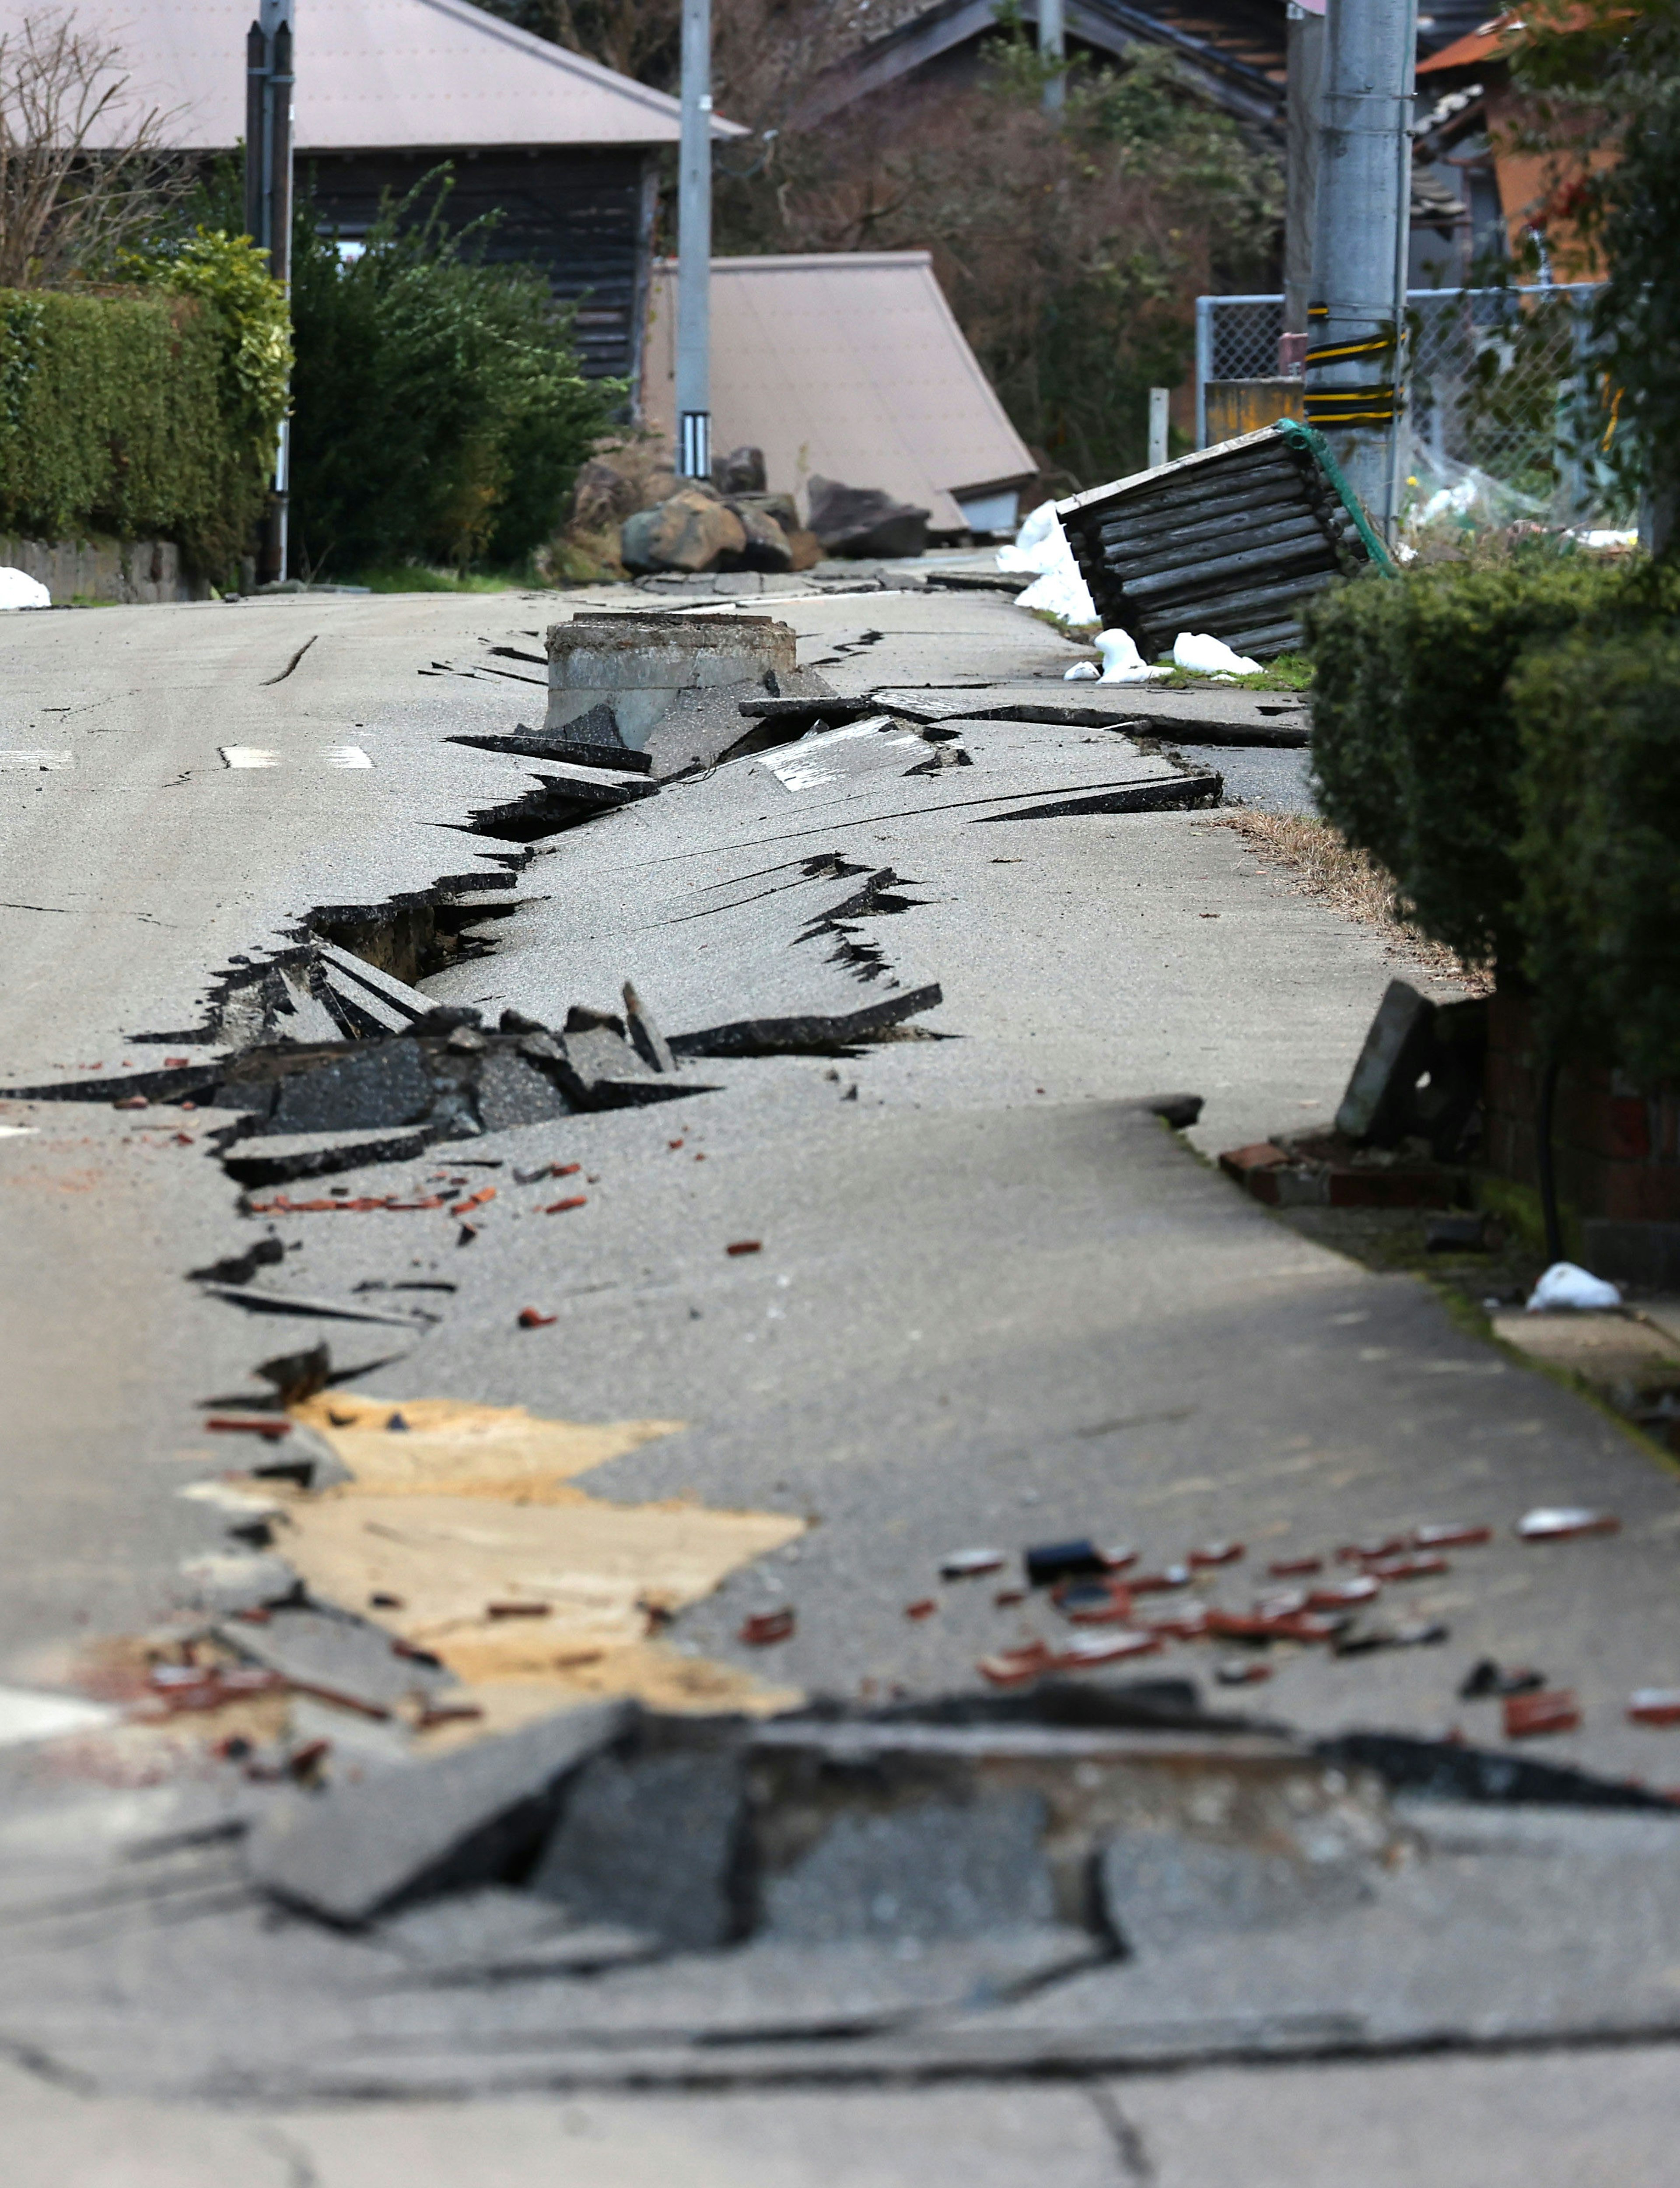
(1314, 860)
(1289, 672)
(414, 578)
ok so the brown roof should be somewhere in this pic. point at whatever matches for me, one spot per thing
(372, 75)
(846, 364)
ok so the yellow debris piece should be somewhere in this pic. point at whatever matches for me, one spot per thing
(463, 1534)
(459, 1450)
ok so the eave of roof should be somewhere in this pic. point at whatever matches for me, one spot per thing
(372, 76)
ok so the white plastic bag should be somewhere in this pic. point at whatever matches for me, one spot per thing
(1211, 657)
(1564, 1285)
(17, 590)
(1082, 672)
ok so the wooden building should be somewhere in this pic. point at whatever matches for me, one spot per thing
(560, 147)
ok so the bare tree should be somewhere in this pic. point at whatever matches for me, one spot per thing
(84, 166)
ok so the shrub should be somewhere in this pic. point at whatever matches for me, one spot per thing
(1415, 744)
(1506, 740)
(149, 409)
(439, 413)
(1599, 852)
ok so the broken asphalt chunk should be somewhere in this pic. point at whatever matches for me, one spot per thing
(362, 998)
(1487, 1678)
(645, 1038)
(240, 1268)
(258, 1298)
(1450, 1770)
(651, 1834)
(336, 1658)
(1180, 1111)
(295, 1376)
(1050, 1562)
(474, 1817)
(1362, 1640)
(833, 1035)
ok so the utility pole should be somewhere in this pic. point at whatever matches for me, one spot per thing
(1053, 47)
(1356, 319)
(1306, 75)
(267, 210)
(693, 248)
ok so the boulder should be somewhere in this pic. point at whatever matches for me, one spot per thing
(861, 520)
(805, 548)
(781, 507)
(692, 530)
(767, 544)
(740, 471)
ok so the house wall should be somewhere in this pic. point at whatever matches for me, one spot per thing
(579, 215)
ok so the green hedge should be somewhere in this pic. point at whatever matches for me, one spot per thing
(147, 411)
(1506, 740)
(1599, 791)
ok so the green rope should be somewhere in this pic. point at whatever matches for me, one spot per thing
(1318, 448)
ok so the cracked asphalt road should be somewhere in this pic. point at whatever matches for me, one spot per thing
(996, 1300)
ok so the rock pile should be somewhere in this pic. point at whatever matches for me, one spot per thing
(631, 512)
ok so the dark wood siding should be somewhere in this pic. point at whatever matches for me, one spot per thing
(577, 215)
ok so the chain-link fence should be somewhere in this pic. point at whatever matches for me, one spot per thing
(1497, 380)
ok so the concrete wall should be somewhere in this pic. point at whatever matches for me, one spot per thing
(144, 571)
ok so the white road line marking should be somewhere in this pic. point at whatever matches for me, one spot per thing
(18, 1132)
(37, 759)
(248, 756)
(25, 1715)
(346, 756)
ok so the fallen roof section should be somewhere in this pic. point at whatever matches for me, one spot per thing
(846, 364)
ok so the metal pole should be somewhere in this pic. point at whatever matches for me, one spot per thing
(1300, 219)
(693, 248)
(1159, 398)
(279, 264)
(1053, 47)
(1204, 365)
(256, 88)
(1353, 362)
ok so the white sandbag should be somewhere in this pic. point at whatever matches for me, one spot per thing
(1122, 662)
(1210, 656)
(17, 590)
(1564, 1285)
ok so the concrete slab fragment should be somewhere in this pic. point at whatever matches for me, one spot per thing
(465, 1818)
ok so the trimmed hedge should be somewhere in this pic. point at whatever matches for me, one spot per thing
(144, 411)
(1506, 740)
(1599, 852)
